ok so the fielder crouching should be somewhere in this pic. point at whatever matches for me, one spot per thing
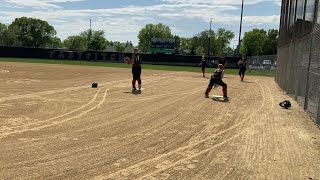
(216, 79)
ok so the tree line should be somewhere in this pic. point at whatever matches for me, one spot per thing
(31, 32)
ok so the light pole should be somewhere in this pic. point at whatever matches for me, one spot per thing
(89, 34)
(240, 28)
(209, 48)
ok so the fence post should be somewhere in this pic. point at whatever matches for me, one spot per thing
(297, 69)
(306, 100)
(318, 114)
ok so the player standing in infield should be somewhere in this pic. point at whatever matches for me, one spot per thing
(203, 64)
(242, 68)
(135, 61)
(216, 79)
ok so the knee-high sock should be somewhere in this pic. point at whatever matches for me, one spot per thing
(208, 90)
(133, 83)
(225, 91)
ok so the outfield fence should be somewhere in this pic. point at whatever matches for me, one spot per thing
(115, 57)
(298, 59)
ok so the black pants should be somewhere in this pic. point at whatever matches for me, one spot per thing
(136, 72)
(216, 81)
(219, 82)
(242, 71)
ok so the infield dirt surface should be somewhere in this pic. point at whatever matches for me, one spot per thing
(53, 125)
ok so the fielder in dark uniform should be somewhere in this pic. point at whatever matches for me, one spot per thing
(203, 64)
(222, 60)
(136, 69)
(216, 79)
(242, 68)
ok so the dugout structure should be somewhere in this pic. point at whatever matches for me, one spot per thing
(298, 59)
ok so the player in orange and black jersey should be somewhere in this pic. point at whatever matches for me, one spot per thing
(216, 79)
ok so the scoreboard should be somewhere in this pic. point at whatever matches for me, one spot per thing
(162, 45)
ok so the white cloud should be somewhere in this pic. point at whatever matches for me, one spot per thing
(123, 24)
(38, 4)
(219, 2)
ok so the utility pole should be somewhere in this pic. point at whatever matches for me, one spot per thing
(240, 28)
(89, 35)
(209, 48)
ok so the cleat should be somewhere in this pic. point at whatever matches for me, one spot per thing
(206, 95)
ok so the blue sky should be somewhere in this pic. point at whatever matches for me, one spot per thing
(122, 19)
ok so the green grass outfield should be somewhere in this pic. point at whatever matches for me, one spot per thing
(269, 73)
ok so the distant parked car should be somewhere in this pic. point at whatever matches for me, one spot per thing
(214, 63)
(256, 63)
(267, 64)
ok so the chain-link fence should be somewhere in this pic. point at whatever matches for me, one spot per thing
(298, 65)
(266, 64)
(265, 61)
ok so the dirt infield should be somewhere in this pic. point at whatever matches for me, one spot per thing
(53, 125)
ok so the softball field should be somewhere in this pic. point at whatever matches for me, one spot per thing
(53, 125)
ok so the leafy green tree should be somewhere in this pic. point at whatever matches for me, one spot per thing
(56, 43)
(87, 40)
(199, 51)
(177, 42)
(32, 32)
(219, 41)
(119, 47)
(97, 42)
(3, 27)
(271, 43)
(152, 31)
(7, 37)
(186, 43)
(229, 51)
(193, 51)
(259, 42)
(222, 41)
(75, 43)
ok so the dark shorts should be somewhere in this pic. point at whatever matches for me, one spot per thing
(216, 81)
(203, 68)
(136, 72)
(242, 71)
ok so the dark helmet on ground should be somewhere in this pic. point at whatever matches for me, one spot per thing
(285, 104)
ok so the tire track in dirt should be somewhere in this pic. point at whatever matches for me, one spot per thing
(156, 130)
(37, 94)
(257, 146)
(168, 103)
(133, 140)
(60, 116)
(92, 128)
(228, 118)
(288, 146)
(224, 139)
(120, 118)
(181, 149)
(58, 122)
